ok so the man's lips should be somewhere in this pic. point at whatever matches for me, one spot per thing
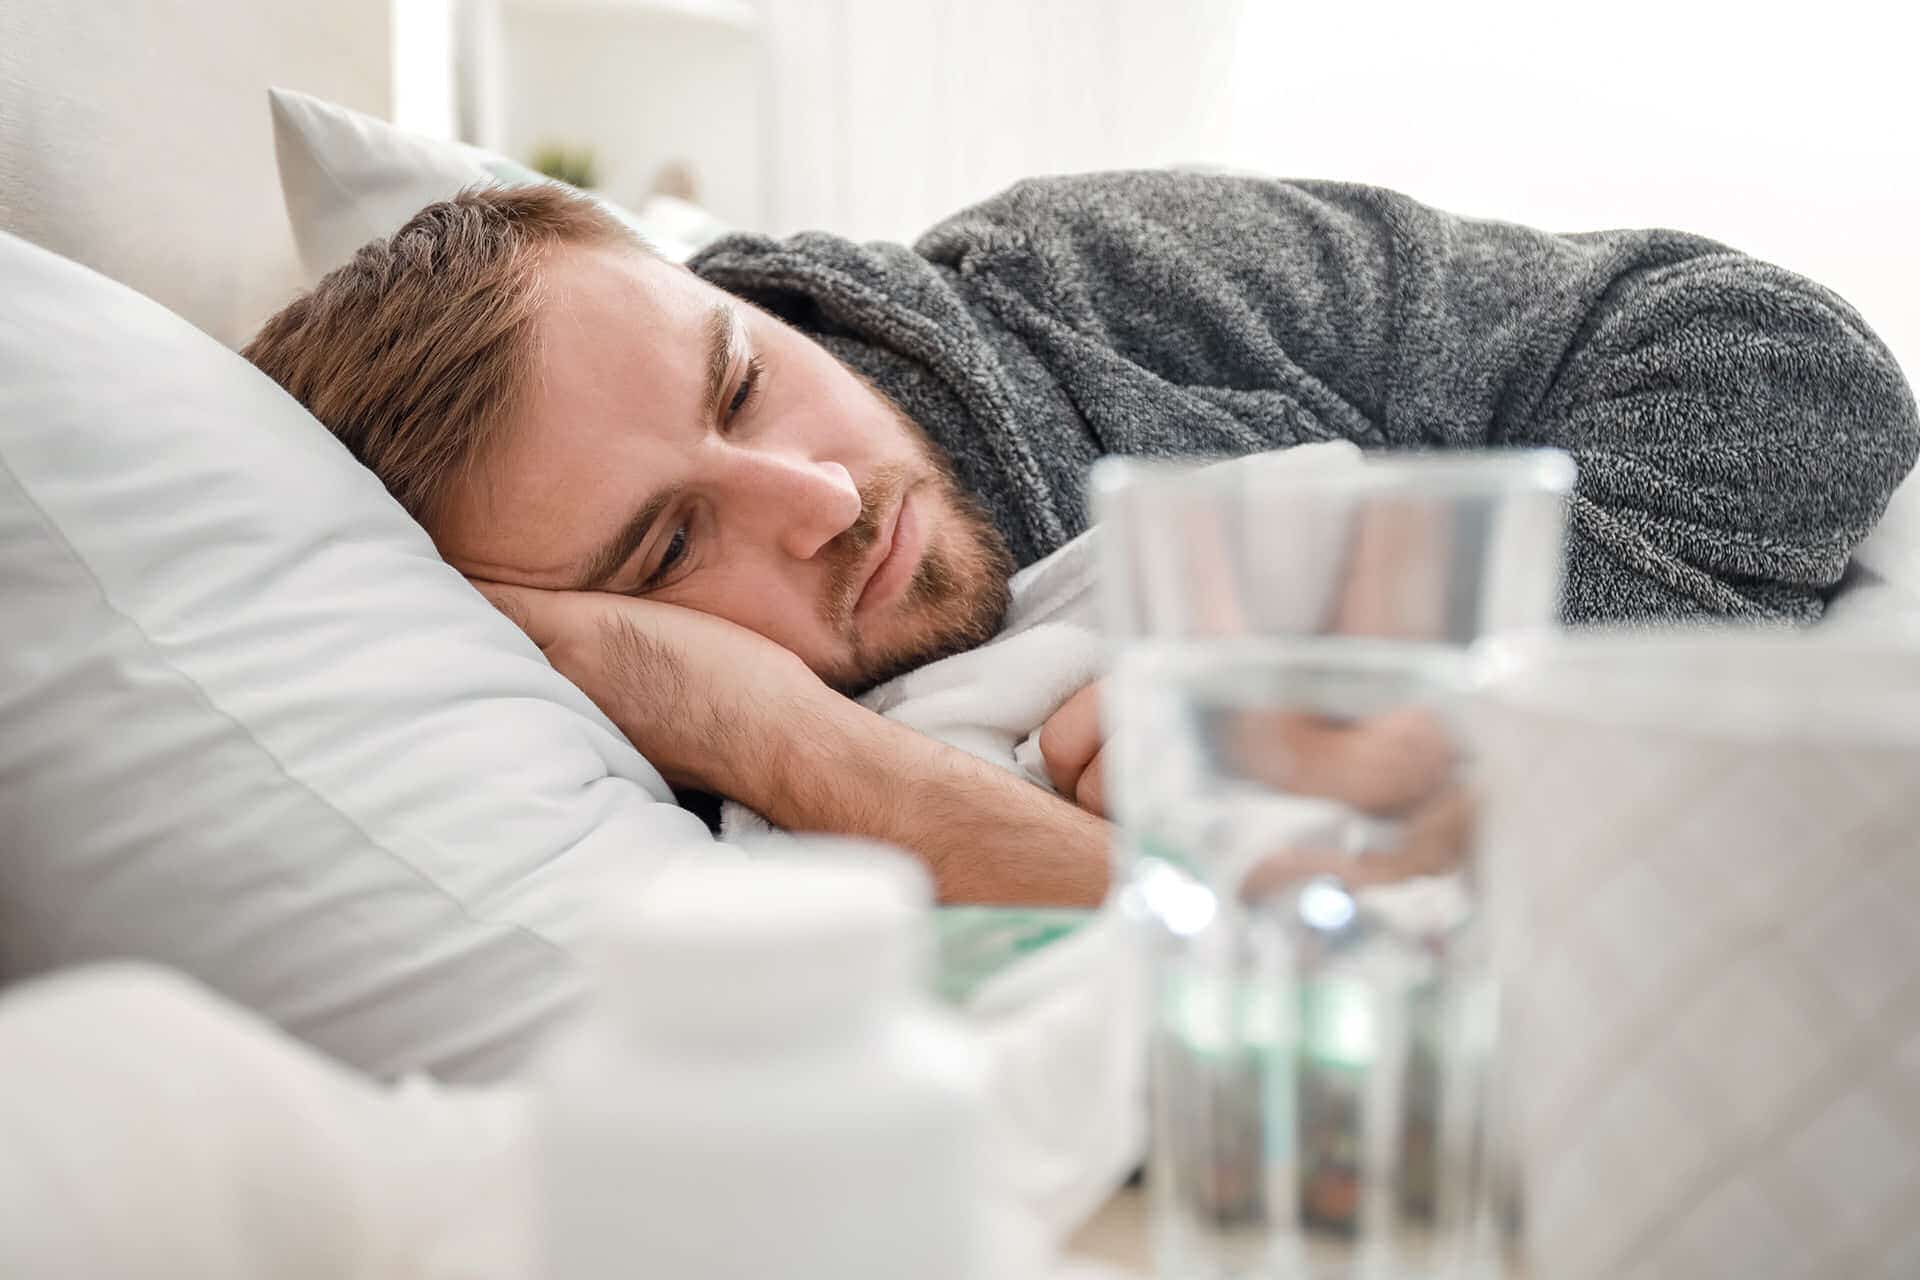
(897, 555)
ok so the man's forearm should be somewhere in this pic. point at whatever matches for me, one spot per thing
(986, 834)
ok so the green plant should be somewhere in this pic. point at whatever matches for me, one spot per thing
(573, 165)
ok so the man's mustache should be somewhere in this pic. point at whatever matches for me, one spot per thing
(847, 553)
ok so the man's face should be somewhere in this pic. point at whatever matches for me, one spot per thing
(679, 444)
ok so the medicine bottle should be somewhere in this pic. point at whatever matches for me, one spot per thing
(761, 1086)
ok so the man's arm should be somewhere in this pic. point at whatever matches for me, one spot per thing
(1738, 428)
(717, 707)
(986, 834)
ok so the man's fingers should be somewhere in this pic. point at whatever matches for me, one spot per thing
(1070, 739)
(1090, 791)
(1433, 841)
(1383, 765)
(1386, 764)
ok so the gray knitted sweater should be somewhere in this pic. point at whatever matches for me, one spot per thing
(1737, 428)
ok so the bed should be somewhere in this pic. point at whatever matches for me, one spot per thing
(256, 731)
(136, 140)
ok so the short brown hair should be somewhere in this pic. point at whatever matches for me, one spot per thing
(417, 351)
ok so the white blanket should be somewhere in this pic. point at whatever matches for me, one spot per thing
(991, 701)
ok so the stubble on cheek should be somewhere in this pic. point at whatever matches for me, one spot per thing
(847, 554)
(958, 595)
(956, 601)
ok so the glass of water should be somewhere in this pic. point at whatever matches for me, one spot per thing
(1294, 635)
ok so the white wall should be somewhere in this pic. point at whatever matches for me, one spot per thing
(641, 83)
(135, 137)
(890, 114)
(1790, 133)
(424, 98)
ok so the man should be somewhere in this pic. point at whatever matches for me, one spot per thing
(711, 494)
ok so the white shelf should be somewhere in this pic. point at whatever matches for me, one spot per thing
(734, 15)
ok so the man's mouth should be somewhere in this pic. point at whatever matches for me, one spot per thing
(897, 553)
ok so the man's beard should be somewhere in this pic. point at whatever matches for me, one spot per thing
(958, 595)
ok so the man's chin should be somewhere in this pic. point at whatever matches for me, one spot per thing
(875, 674)
(958, 597)
(964, 627)
(861, 685)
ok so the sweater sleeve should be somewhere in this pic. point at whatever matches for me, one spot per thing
(1738, 429)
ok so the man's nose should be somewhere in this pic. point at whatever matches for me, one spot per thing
(807, 502)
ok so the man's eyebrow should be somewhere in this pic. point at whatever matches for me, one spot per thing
(611, 558)
(719, 328)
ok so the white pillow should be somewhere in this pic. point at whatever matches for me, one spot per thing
(252, 726)
(348, 178)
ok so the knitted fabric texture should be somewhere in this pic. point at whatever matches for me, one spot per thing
(1737, 428)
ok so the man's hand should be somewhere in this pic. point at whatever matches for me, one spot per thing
(718, 707)
(1400, 765)
(704, 700)
(1070, 745)
(1383, 765)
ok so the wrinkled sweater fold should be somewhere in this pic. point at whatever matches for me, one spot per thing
(1737, 428)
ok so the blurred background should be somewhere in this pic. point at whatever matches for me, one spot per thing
(1787, 132)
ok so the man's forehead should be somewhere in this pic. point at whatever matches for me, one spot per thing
(624, 333)
(600, 282)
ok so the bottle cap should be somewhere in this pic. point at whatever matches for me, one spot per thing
(735, 950)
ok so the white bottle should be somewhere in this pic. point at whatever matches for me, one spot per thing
(762, 1087)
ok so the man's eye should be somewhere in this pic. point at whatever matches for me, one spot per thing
(743, 394)
(676, 550)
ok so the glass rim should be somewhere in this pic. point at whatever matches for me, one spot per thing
(1448, 473)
